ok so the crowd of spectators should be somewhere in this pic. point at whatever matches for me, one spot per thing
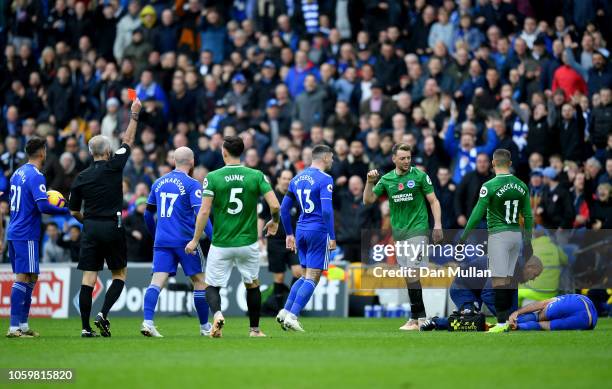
(455, 79)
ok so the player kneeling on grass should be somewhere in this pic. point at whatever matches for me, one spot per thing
(470, 294)
(315, 237)
(567, 312)
(232, 193)
(175, 198)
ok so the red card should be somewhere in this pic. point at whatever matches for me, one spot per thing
(131, 94)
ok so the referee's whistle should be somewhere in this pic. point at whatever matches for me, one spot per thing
(118, 219)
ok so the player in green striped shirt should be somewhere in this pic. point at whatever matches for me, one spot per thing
(409, 190)
(503, 199)
(232, 193)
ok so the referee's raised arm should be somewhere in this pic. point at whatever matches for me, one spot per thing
(130, 132)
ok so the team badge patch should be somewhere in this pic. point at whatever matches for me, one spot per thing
(483, 191)
(428, 179)
(400, 186)
(205, 183)
(42, 188)
(410, 184)
(329, 188)
(198, 193)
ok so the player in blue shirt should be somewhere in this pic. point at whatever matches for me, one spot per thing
(567, 312)
(28, 201)
(176, 199)
(315, 238)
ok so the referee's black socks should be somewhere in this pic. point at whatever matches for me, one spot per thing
(280, 291)
(85, 297)
(415, 292)
(213, 298)
(112, 294)
(253, 297)
(503, 304)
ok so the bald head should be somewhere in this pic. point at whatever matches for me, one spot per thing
(183, 157)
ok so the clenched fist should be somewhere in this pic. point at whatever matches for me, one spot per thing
(136, 106)
(373, 176)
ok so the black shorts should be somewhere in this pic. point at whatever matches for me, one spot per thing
(279, 258)
(102, 240)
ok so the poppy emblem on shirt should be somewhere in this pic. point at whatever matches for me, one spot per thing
(400, 186)
(410, 184)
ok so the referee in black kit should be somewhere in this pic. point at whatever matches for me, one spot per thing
(99, 187)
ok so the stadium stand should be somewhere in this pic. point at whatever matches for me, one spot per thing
(451, 78)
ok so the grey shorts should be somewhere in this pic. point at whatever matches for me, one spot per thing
(504, 249)
(412, 252)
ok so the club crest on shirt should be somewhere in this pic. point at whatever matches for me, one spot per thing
(410, 184)
(400, 186)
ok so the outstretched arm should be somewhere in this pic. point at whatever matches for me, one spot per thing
(477, 214)
(450, 143)
(130, 132)
(571, 60)
(489, 147)
(44, 207)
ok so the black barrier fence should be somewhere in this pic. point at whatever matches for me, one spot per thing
(57, 292)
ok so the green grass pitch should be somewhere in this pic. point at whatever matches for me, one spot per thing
(337, 353)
